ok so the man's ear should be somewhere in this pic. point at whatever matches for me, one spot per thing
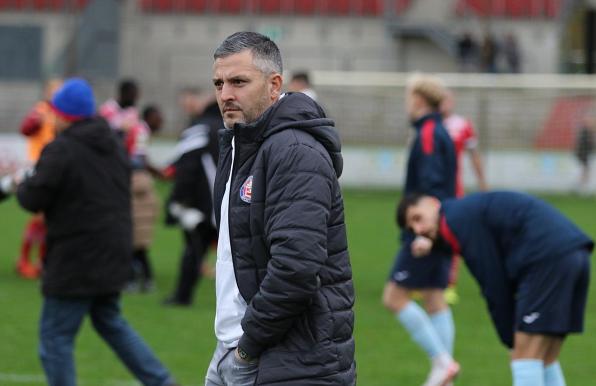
(275, 85)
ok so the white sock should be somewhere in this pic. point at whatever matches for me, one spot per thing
(418, 324)
(443, 324)
(527, 372)
(553, 375)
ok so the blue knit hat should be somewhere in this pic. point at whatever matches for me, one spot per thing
(74, 100)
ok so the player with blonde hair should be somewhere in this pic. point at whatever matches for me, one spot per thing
(431, 168)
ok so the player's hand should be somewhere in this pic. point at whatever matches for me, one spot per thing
(22, 174)
(421, 246)
(7, 184)
(190, 218)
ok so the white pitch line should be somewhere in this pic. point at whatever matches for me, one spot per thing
(23, 378)
(39, 379)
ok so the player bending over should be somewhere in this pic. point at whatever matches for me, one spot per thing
(530, 261)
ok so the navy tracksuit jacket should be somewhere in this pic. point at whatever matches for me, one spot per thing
(500, 233)
(431, 170)
(432, 163)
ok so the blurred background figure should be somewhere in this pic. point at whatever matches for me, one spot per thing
(464, 138)
(122, 113)
(189, 205)
(584, 147)
(467, 52)
(488, 54)
(39, 126)
(144, 197)
(82, 185)
(193, 102)
(512, 54)
(300, 82)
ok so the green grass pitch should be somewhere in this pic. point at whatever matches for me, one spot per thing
(184, 339)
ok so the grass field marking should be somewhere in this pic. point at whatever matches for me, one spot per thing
(39, 379)
(22, 378)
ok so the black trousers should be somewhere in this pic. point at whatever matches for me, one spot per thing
(196, 246)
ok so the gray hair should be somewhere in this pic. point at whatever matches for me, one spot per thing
(266, 55)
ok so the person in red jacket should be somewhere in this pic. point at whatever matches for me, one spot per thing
(39, 128)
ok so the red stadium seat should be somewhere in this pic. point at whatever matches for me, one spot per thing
(269, 6)
(563, 120)
(510, 8)
(56, 4)
(371, 7)
(305, 7)
(552, 8)
(39, 4)
(228, 6)
(401, 6)
(196, 5)
(337, 7)
(82, 3)
(19, 4)
(163, 5)
(146, 5)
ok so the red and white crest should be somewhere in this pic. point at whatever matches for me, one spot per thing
(246, 190)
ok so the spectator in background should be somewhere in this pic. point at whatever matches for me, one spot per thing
(584, 147)
(467, 52)
(144, 197)
(39, 128)
(82, 185)
(300, 82)
(512, 55)
(488, 54)
(122, 113)
(193, 102)
(190, 203)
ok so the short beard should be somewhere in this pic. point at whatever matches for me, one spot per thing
(257, 111)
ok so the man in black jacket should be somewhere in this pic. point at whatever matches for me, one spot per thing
(190, 203)
(81, 183)
(283, 277)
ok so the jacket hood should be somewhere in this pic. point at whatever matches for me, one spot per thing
(296, 111)
(95, 133)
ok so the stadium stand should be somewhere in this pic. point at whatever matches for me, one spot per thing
(563, 120)
(266, 7)
(510, 8)
(42, 5)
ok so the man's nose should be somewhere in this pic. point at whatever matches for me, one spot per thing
(417, 228)
(227, 92)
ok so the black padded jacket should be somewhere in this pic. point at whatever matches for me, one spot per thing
(82, 185)
(289, 247)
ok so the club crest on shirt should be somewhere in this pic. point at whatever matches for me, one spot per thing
(246, 190)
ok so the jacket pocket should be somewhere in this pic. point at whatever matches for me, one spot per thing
(277, 365)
